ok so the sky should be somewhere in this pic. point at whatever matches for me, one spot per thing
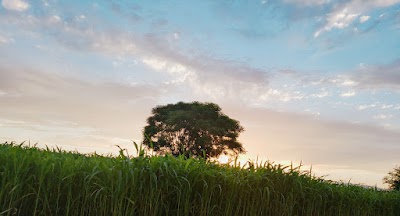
(311, 81)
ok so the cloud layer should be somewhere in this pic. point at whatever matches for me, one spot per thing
(310, 80)
(42, 99)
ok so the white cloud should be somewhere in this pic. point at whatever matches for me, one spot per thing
(280, 95)
(313, 113)
(348, 82)
(14, 122)
(363, 107)
(54, 19)
(338, 19)
(344, 14)
(5, 40)
(180, 72)
(15, 5)
(348, 94)
(320, 95)
(364, 19)
(382, 117)
(154, 63)
(176, 35)
(80, 17)
(385, 106)
(206, 76)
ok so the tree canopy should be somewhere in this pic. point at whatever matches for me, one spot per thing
(393, 179)
(193, 130)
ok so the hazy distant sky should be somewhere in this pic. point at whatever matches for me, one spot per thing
(316, 81)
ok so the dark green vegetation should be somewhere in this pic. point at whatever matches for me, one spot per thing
(54, 182)
(393, 179)
(193, 130)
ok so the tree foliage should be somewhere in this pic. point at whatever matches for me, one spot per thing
(393, 179)
(193, 130)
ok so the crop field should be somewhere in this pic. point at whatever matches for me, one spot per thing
(37, 181)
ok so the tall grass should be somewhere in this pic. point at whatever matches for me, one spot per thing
(54, 182)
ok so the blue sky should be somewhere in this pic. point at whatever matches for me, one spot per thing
(316, 81)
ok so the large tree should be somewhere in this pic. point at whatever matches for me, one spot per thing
(393, 179)
(193, 130)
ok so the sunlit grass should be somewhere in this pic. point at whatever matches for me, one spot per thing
(54, 182)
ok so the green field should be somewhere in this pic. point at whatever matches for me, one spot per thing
(54, 182)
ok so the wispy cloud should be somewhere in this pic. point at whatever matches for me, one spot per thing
(382, 116)
(15, 5)
(348, 94)
(321, 94)
(5, 40)
(338, 19)
(281, 95)
(337, 142)
(59, 110)
(213, 78)
(364, 19)
(366, 106)
(38, 96)
(379, 106)
(366, 77)
(308, 2)
(66, 135)
(379, 76)
(344, 14)
(204, 74)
